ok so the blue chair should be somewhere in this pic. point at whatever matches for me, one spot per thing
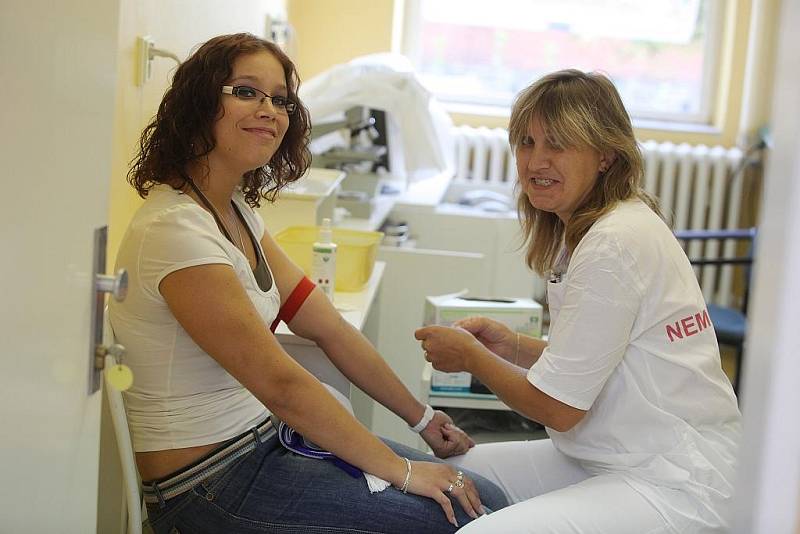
(730, 323)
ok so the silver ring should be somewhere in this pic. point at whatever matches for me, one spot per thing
(450, 488)
(459, 483)
(460, 475)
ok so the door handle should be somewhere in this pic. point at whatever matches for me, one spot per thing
(116, 285)
(115, 349)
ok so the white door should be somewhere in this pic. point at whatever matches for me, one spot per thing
(58, 63)
(768, 495)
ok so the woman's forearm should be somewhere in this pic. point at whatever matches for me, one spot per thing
(358, 360)
(511, 385)
(303, 403)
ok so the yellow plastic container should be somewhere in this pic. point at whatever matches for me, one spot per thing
(355, 253)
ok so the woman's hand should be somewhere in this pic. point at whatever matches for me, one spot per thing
(444, 438)
(449, 349)
(437, 480)
(494, 335)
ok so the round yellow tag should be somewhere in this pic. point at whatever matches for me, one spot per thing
(120, 377)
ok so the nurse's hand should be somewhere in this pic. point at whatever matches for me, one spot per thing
(449, 349)
(494, 335)
(444, 438)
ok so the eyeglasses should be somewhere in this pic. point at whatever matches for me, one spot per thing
(251, 94)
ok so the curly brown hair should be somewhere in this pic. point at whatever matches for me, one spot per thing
(182, 130)
(577, 109)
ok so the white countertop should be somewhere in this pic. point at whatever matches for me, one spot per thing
(354, 307)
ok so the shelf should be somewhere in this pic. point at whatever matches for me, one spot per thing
(458, 399)
(472, 401)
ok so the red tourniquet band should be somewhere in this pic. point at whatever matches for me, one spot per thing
(299, 295)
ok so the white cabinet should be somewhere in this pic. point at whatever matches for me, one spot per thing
(495, 235)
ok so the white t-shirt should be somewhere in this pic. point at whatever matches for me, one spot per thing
(630, 341)
(181, 397)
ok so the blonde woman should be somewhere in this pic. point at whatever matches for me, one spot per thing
(642, 421)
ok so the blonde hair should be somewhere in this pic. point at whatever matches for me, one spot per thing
(577, 110)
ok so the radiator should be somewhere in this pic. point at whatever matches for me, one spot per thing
(698, 188)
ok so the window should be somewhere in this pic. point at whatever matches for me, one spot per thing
(661, 54)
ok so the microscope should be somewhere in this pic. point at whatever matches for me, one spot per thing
(358, 145)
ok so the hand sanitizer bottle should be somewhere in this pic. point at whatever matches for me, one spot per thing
(323, 261)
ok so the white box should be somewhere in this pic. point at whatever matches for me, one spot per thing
(520, 315)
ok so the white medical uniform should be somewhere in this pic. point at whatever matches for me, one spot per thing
(630, 342)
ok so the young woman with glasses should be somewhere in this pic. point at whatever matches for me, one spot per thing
(206, 282)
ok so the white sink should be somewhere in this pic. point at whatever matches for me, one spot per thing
(315, 183)
(304, 202)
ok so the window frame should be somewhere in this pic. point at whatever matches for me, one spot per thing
(702, 120)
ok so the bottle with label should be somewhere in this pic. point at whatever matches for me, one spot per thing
(323, 261)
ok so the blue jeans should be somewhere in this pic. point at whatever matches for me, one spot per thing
(274, 490)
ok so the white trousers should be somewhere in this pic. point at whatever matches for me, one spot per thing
(551, 494)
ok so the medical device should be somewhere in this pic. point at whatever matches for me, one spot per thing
(372, 118)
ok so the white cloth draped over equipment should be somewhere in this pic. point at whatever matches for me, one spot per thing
(419, 126)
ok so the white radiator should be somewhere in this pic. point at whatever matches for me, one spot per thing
(697, 187)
